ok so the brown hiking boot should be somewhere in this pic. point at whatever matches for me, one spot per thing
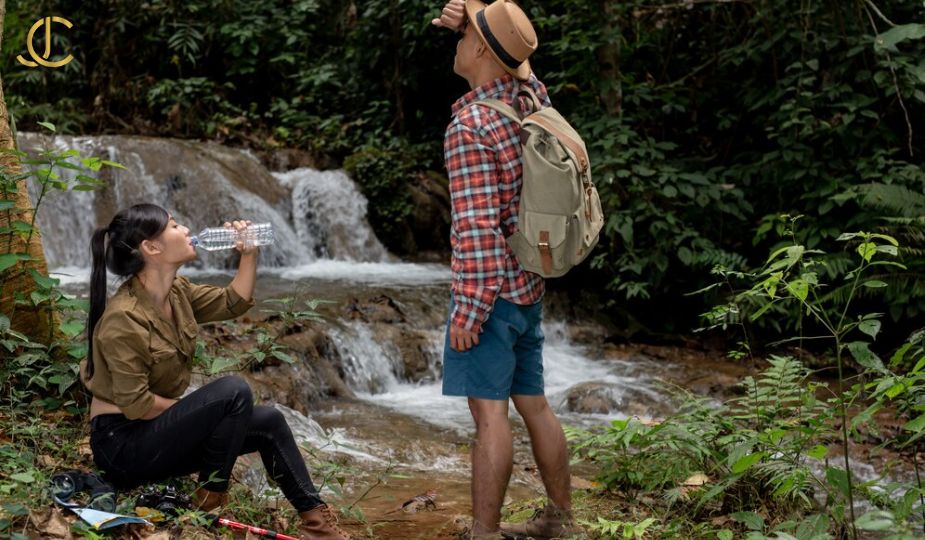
(320, 523)
(546, 523)
(206, 500)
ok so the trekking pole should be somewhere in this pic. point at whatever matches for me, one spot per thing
(253, 529)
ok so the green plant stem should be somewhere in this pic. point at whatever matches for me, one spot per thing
(844, 439)
(918, 482)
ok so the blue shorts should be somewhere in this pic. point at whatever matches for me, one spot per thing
(508, 359)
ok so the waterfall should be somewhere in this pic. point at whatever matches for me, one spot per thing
(330, 216)
(316, 215)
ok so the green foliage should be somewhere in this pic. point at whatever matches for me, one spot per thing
(760, 452)
(41, 370)
(705, 120)
(383, 171)
(620, 529)
(266, 338)
(750, 453)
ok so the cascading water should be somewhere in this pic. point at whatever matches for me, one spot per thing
(329, 214)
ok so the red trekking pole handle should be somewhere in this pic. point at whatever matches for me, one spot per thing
(254, 530)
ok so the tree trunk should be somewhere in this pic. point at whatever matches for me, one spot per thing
(608, 56)
(39, 323)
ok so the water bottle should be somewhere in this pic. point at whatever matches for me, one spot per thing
(216, 238)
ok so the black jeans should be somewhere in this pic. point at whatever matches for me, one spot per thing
(205, 431)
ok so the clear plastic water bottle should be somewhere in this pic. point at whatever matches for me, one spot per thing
(216, 238)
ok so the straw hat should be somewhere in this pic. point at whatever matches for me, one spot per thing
(507, 31)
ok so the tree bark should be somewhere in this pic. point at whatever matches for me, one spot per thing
(608, 56)
(39, 323)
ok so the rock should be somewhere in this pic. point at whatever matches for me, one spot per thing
(414, 348)
(430, 219)
(380, 309)
(313, 377)
(286, 159)
(591, 397)
(605, 398)
(580, 483)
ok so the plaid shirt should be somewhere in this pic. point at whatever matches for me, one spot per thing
(484, 165)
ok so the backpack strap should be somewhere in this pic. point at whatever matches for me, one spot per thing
(581, 157)
(503, 108)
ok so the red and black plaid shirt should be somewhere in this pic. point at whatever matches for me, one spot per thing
(485, 165)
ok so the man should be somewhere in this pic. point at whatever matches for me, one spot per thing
(494, 342)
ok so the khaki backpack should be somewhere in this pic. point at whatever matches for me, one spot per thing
(560, 216)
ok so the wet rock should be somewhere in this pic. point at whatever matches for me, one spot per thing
(591, 397)
(414, 348)
(430, 219)
(380, 309)
(605, 398)
(311, 378)
(286, 159)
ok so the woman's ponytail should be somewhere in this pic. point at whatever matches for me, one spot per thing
(116, 247)
(97, 289)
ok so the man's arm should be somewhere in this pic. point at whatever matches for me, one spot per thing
(479, 247)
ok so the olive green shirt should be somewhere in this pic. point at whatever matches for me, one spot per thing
(138, 352)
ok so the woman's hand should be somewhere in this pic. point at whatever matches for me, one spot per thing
(244, 280)
(452, 16)
(242, 245)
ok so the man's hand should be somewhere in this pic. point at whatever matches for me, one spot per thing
(461, 340)
(453, 15)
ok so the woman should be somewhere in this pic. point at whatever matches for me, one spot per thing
(138, 365)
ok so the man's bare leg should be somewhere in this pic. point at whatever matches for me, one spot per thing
(492, 460)
(549, 447)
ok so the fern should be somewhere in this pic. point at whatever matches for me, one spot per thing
(894, 199)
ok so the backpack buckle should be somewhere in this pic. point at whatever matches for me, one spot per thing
(545, 253)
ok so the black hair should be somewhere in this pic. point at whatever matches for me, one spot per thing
(116, 247)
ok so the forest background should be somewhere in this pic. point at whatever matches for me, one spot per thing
(706, 120)
(720, 131)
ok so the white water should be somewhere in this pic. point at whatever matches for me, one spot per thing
(564, 365)
(367, 273)
(330, 216)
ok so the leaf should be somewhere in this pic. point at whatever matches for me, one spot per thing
(112, 164)
(915, 426)
(724, 534)
(861, 352)
(745, 462)
(24, 477)
(817, 452)
(874, 284)
(878, 520)
(72, 328)
(870, 327)
(283, 357)
(44, 282)
(898, 34)
(867, 250)
(838, 479)
(220, 364)
(48, 125)
(751, 520)
(9, 259)
(798, 288)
